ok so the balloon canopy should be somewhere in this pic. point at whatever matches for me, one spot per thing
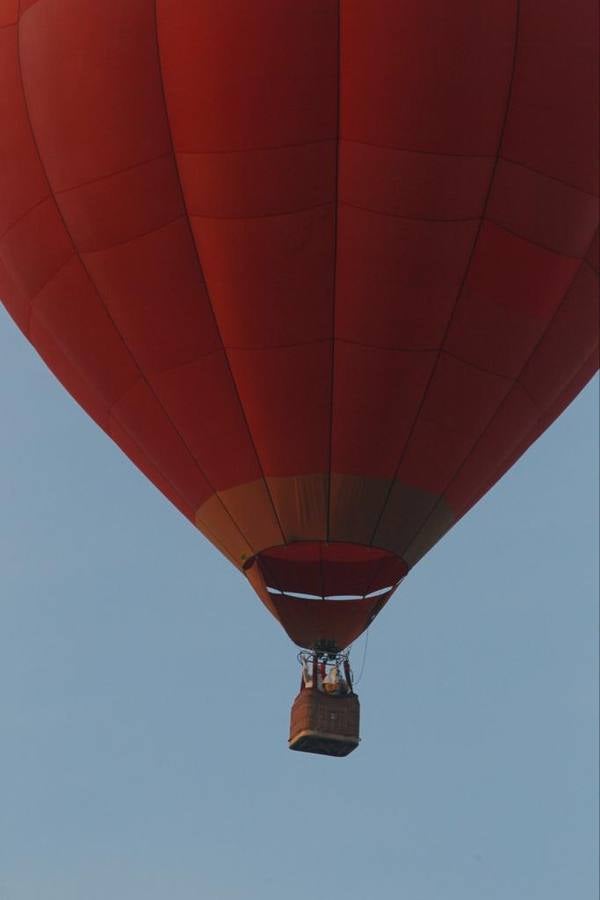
(323, 269)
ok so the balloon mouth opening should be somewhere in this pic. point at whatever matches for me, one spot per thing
(319, 570)
(379, 593)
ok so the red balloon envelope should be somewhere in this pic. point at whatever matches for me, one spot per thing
(324, 270)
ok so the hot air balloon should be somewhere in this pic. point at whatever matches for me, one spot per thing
(323, 270)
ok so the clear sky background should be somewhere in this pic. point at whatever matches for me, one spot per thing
(145, 692)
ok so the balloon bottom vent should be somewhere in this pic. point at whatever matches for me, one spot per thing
(325, 724)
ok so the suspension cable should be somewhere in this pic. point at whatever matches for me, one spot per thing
(364, 659)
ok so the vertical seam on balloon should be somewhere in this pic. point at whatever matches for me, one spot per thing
(52, 196)
(335, 261)
(321, 568)
(466, 273)
(502, 403)
(201, 270)
(592, 268)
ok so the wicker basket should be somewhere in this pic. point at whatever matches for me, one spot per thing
(324, 723)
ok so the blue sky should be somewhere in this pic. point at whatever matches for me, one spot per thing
(145, 693)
